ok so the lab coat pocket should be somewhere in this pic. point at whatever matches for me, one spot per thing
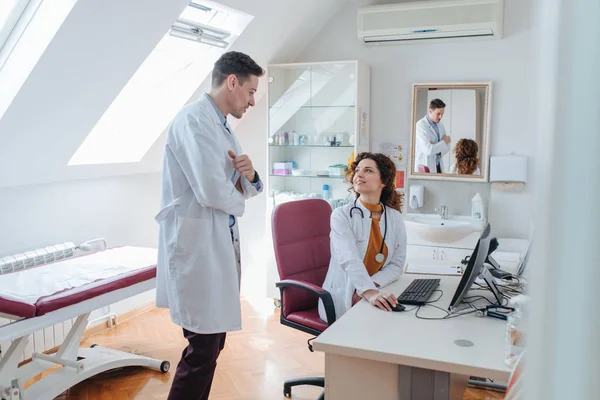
(193, 235)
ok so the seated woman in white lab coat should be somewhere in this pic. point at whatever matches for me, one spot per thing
(467, 162)
(368, 238)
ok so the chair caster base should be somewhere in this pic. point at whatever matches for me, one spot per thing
(287, 385)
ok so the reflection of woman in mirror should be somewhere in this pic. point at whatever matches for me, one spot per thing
(467, 162)
(431, 141)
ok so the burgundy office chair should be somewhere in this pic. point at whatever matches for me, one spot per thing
(423, 168)
(301, 241)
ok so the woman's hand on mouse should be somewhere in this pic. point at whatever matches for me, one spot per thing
(381, 300)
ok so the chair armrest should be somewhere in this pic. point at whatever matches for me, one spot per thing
(323, 294)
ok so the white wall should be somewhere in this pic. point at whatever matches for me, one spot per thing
(120, 209)
(254, 230)
(395, 67)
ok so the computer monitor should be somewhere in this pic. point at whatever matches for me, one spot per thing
(523, 265)
(476, 268)
(497, 269)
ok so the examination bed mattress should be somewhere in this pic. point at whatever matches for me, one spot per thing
(39, 290)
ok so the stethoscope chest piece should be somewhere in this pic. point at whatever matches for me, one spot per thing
(379, 258)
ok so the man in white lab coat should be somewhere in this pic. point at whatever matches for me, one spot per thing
(431, 141)
(206, 180)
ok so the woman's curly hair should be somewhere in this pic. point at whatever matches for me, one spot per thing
(387, 171)
(466, 156)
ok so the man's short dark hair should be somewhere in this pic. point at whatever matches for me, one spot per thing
(437, 103)
(239, 64)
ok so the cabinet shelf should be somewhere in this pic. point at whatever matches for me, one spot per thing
(310, 145)
(310, 176)
(309, 107)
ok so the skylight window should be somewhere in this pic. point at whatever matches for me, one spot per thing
(10, 12)
(26, 29)
(162, 85)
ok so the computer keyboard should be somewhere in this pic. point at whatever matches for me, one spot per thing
(418, 292)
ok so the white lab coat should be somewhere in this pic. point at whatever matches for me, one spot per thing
(425, 151)
(198, 274)
(348, 241)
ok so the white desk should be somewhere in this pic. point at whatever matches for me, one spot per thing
(370, 353)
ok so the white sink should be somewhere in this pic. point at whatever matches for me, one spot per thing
(432, 228)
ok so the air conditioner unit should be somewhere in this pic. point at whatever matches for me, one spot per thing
(430, 21)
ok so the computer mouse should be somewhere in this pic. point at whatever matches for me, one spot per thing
(399, 307)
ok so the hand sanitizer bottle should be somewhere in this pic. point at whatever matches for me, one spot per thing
(477, 207)
(516, 330)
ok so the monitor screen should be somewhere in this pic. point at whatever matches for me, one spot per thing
(523, 265)
(474, 267)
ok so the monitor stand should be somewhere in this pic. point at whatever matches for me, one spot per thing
(497, 272)
(487, 276)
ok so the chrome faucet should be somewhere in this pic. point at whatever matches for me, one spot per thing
(443, 211)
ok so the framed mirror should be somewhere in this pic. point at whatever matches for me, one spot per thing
(450, 136)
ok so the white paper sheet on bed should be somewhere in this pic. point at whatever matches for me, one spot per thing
(31, 284)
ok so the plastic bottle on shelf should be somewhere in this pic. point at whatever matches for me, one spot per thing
(326, 194)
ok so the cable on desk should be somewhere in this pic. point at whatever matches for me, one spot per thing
(506, 291)
(310, 347)
(507, 287)
(478, 297)
(511, 289)
(433, 301)
(471, 309)
(459, 313)
(430, 305)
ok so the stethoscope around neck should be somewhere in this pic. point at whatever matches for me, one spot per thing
(379, 257)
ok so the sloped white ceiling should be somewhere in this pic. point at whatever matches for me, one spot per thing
(98, 48)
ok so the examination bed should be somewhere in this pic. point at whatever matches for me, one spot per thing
(41, 296)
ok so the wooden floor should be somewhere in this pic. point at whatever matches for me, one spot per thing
(253, 366)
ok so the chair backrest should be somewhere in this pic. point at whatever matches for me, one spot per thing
(301, 243)
(423, 168)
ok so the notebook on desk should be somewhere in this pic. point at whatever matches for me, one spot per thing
(433, 269)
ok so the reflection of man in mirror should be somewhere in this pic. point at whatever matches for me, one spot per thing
(431, 142)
